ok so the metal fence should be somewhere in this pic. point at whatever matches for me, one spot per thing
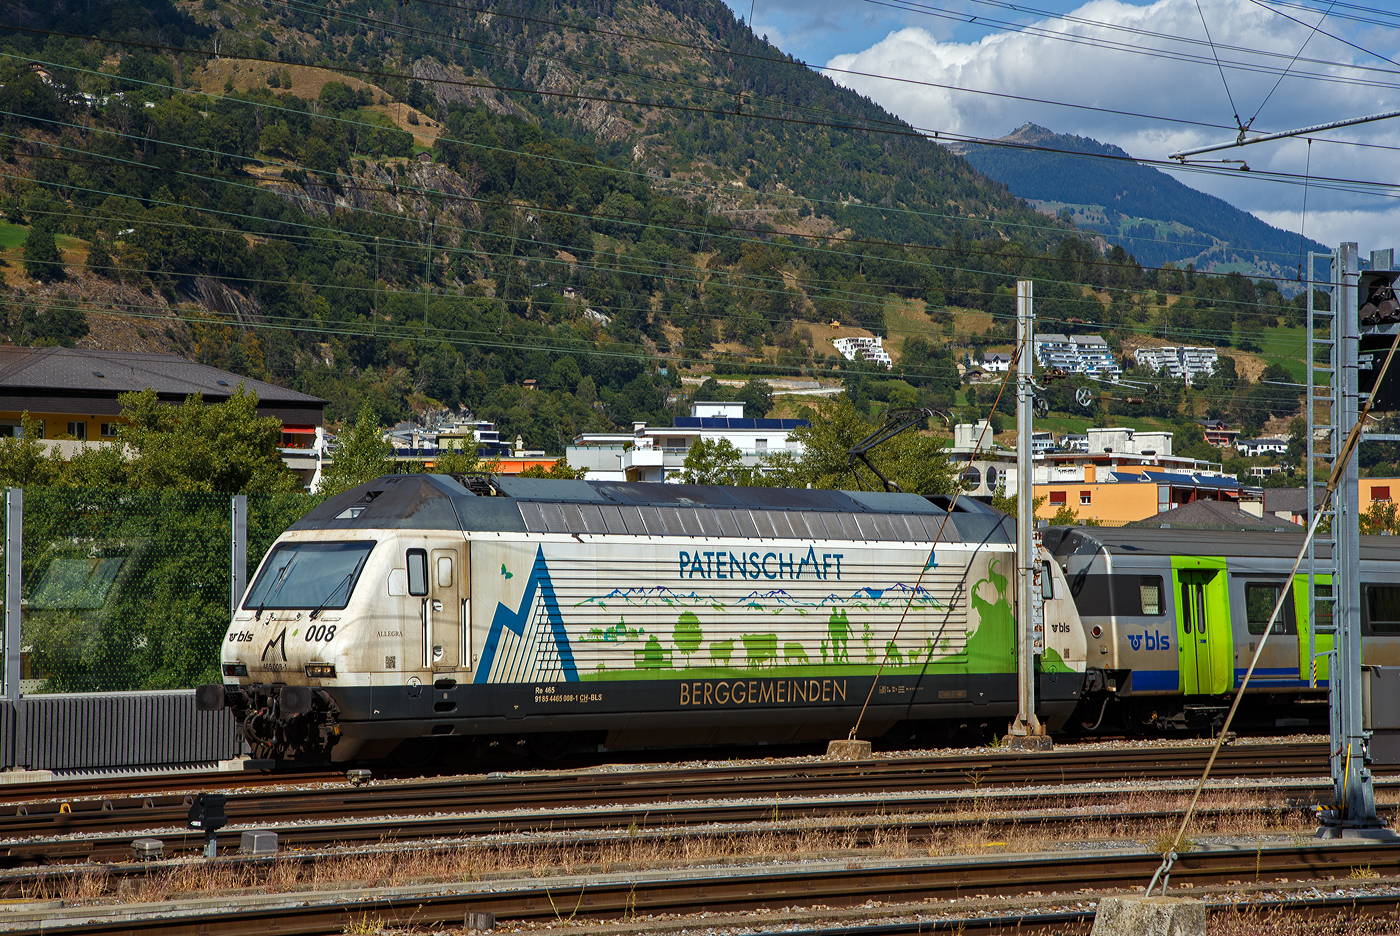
(116, 603)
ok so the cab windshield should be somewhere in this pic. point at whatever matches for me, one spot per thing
(308, 575)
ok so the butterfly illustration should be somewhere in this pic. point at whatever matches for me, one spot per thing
(505, 573)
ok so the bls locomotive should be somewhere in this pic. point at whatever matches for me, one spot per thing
(418, 611)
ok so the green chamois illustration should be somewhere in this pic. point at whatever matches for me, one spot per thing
(687, 635)
(721, 651)
(893, 655)
(838, 628)
(794, 654)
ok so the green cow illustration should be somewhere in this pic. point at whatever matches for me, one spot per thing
(762, 649)
(721, 651)
(838, 627)
(793, 653)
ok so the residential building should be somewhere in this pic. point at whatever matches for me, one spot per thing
(1120, 474)
(657, 453)
(1118, 497)
(1042, 442)
(1216, 432)
(1183, 363)
(1252, 447)
(1077, 354)
(1291, 504)
(72, 393)
(994, 362)
(862, 348)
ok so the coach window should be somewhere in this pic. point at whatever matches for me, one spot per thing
(1383, 608)
(417, 572)
(1260, 599)
(1150, 593)
(1047, 582)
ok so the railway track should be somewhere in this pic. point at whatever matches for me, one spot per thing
(48, 812)
(619, 896)
(917, 818)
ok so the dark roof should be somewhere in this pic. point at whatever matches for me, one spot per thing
(1247, 544)
(725, 422)
(1209, 515)
(1294, 500)
(81, 371)
(537, 505)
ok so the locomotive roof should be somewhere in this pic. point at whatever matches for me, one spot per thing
(1146, 541)
(538, 505)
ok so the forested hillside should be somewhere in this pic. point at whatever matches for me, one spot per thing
(425, 204)
(1146, 211)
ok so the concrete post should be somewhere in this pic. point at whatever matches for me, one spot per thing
(1026, 730)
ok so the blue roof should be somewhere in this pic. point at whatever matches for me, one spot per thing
(724, 422)
(1173, 477)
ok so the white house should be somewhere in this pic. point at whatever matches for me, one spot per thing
(994, 362)
(1252, 447)
(657, 453)
(859, 347)
(1076, 354)
(1184, 363)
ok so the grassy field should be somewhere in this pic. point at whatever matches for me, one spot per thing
(12, 236)
(1286, 346)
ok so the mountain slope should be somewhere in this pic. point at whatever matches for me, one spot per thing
(1151, 214)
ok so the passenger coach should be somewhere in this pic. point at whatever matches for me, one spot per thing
(1174, 616)
(427, 609)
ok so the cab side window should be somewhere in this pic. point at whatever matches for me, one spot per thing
(417, 572)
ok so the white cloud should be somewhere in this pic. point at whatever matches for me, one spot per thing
(1095, 69)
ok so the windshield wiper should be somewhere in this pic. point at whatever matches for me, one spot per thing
(349, 577)
(276, 585)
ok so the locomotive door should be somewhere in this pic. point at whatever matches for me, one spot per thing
(445, 609)
(1200, 623)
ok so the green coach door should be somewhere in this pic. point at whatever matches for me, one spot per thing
(1204, 647)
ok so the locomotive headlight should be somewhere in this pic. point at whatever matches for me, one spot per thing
(320, 670)
(235, 669)
(1096, 630)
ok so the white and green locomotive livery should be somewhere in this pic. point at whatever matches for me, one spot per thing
(427, 609)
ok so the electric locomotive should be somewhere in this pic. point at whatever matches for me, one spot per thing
(416, 611)
(1174, 616)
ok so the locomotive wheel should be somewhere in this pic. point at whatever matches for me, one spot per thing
(416, 753)
(550, 746)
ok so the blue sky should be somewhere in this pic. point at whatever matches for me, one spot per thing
(1147, 58)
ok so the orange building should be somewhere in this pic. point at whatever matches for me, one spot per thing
(1134, 494)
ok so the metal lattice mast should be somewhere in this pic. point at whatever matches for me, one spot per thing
(1350, 774)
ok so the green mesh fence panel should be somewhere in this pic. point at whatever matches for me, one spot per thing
(128, 590)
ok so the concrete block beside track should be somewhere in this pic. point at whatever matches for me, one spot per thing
(1150, 916)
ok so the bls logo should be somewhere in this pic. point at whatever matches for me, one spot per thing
(1153, 641)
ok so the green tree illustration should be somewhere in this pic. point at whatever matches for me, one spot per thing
(687, 635)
